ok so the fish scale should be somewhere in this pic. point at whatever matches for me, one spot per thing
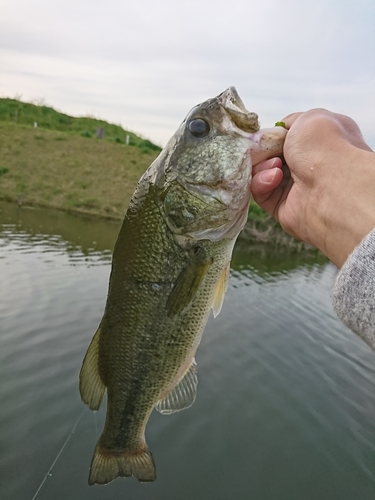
(170, 267)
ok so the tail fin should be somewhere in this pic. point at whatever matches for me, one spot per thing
(107, 465)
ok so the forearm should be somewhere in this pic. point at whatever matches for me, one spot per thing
(353, 294)
(347, 214)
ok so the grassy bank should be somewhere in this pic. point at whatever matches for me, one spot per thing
(45, 117)
(62, 164)
(52, 169)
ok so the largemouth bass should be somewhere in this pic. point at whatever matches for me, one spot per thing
(170, 268)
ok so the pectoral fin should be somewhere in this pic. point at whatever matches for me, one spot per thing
(220, 290)
(188, 282)
(183, 393)
(91, 386)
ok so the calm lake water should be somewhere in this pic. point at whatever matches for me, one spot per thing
(286, 396)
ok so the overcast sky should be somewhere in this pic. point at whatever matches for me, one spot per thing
(146, 63)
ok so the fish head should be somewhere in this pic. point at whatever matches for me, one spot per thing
(211, 143)
(205, 169)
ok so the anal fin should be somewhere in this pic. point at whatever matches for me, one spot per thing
(91, 386)
(182, 395)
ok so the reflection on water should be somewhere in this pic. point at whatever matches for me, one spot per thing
(286, 396)
(53, 231)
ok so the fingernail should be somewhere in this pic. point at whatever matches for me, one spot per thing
(268, 175)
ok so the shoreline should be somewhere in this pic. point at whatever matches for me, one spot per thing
(74, 211)
(258, 230)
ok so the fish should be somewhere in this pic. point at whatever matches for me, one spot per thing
(170, 267)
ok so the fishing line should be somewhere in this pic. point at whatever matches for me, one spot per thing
(49, 473)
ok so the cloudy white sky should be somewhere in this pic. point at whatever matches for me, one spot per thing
(146, 63)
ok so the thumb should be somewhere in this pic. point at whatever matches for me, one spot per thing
(263, 186)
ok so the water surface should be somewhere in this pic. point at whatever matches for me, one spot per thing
(286, 396)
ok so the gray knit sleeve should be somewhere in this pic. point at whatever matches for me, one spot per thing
(353, 293)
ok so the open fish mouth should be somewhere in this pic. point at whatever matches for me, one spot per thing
(234, 106)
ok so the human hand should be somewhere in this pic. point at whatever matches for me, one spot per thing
(324, 194)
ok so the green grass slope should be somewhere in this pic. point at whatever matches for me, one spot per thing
(62, 163)
(24, 113)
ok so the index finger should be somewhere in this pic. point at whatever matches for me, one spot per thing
(289, 120)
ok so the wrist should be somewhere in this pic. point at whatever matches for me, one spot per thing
(348, 216)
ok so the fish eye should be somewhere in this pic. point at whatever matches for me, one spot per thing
(199, 127)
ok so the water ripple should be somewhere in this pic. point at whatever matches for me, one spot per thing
(285, 391)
